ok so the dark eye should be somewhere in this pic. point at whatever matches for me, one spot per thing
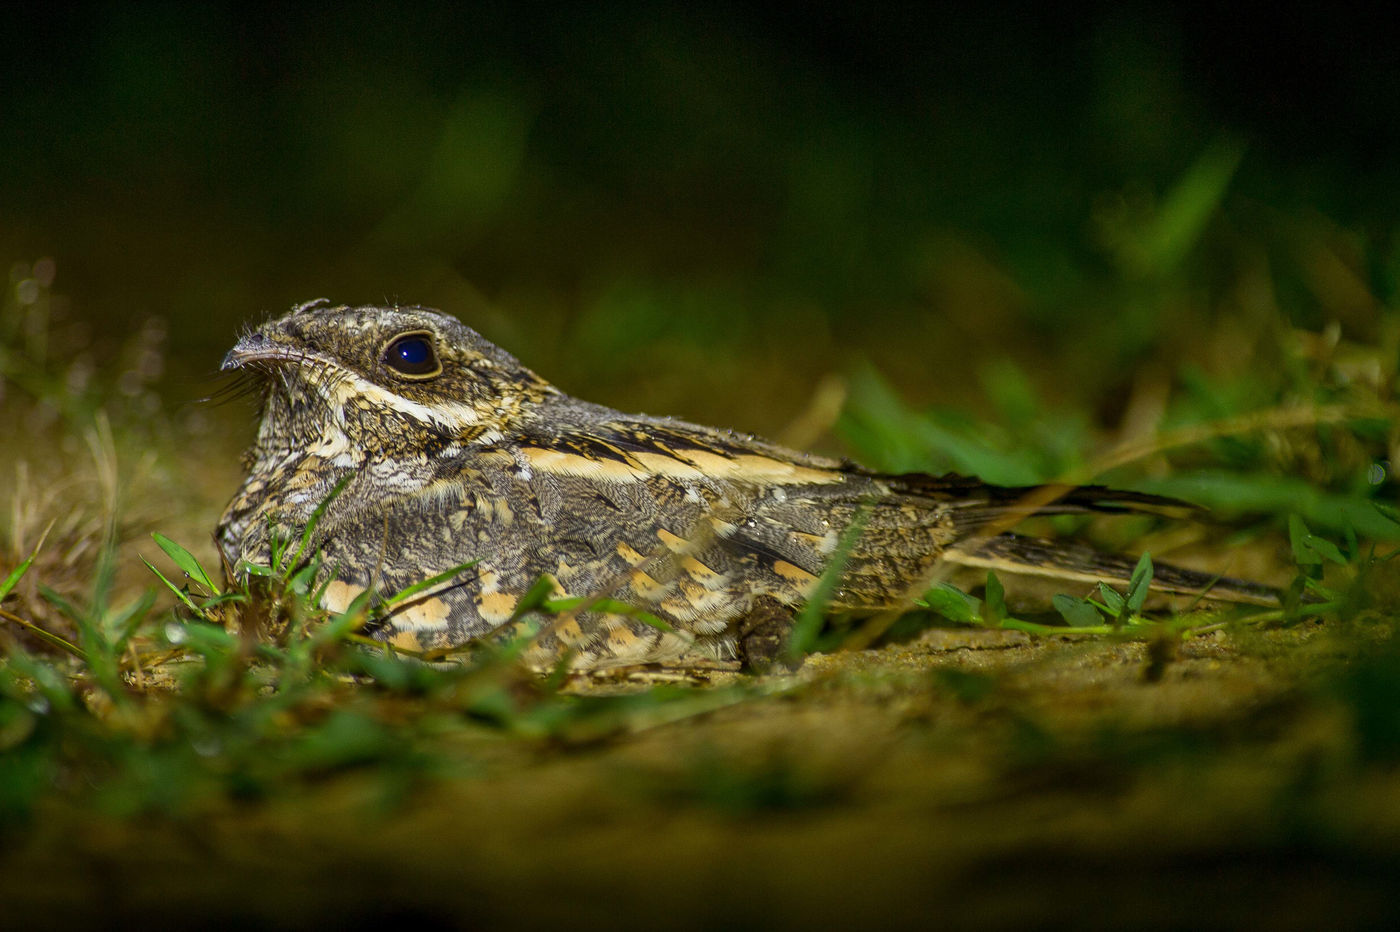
(412, 354)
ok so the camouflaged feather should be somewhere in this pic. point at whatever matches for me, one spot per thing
(710, 531)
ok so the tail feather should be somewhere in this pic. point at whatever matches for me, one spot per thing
(913, 523)
(975, 503)
(1081, 563)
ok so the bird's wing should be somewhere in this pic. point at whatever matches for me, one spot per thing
(766, 520)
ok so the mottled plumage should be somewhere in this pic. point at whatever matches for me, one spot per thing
(452, 451)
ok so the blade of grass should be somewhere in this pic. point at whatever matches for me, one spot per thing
(185, 561)
(316, 516)
(609, 606)
(1138, 585)
(809, 619)
(16, 574)
(48, 637)
(177, 590)
(1185, 210)
(405, 594)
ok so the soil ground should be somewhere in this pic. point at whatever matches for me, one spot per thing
(967, 778)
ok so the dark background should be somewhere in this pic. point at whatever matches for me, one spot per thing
(701, 210)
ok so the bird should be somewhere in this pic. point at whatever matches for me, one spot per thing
(401, 446)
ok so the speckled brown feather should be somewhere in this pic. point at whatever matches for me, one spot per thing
(706, 530)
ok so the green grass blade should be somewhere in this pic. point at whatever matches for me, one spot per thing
(65, 608)
(15, 576)
(994, 604)
(48, 637)
(1030, 627)
(177, 590)
(1298, 535)
(405, 594)
(300, 581)
(345, 622)
(1187, 208)
(1138, 584)
(125, 622)
(809, 620)
(610, 606)
(186, 561)
(98, 646)
(316, 516)
(1231, 493)
(244, 568)
(535, 598)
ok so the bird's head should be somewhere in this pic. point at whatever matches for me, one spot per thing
(382, 379)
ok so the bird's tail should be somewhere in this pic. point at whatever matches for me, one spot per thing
(951, 519)
(1069, 560)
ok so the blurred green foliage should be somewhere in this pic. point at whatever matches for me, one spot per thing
(612, 191)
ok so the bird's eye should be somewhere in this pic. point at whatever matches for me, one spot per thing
(412, 355)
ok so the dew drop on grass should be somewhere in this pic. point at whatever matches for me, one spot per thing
(175, 632)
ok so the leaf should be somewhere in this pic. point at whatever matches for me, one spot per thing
(1387, 511)
(1139, 583)
(994, 611)
(952, 603)
(1298, 535)
(1112, 601)
(185, 561)
(1324, 548)
(15, 575)
(179, 591)
(1077, 612)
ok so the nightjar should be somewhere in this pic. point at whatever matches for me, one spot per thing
(684, 543)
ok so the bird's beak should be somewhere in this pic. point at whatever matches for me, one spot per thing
(253, 348)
